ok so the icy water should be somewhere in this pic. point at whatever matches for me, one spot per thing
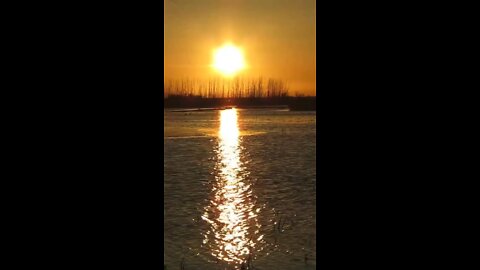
(240, 190)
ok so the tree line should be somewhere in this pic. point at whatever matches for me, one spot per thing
(223, 88)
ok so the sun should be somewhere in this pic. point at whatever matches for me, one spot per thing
(228, 60)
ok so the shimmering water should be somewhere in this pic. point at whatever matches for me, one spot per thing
(239, 189)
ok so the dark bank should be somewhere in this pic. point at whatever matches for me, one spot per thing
(198, 102)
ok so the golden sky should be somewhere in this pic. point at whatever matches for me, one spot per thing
(277, 38)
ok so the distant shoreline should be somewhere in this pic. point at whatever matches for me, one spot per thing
(285, 107)
(196, 103)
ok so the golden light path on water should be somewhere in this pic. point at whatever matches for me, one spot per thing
(233, 226)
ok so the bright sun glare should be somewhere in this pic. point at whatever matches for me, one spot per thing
(228, 60)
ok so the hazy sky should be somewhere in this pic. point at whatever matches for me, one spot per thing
(277, 38)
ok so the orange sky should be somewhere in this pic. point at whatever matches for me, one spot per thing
(277, 37)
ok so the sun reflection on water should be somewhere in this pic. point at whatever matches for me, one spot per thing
(233, 234)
